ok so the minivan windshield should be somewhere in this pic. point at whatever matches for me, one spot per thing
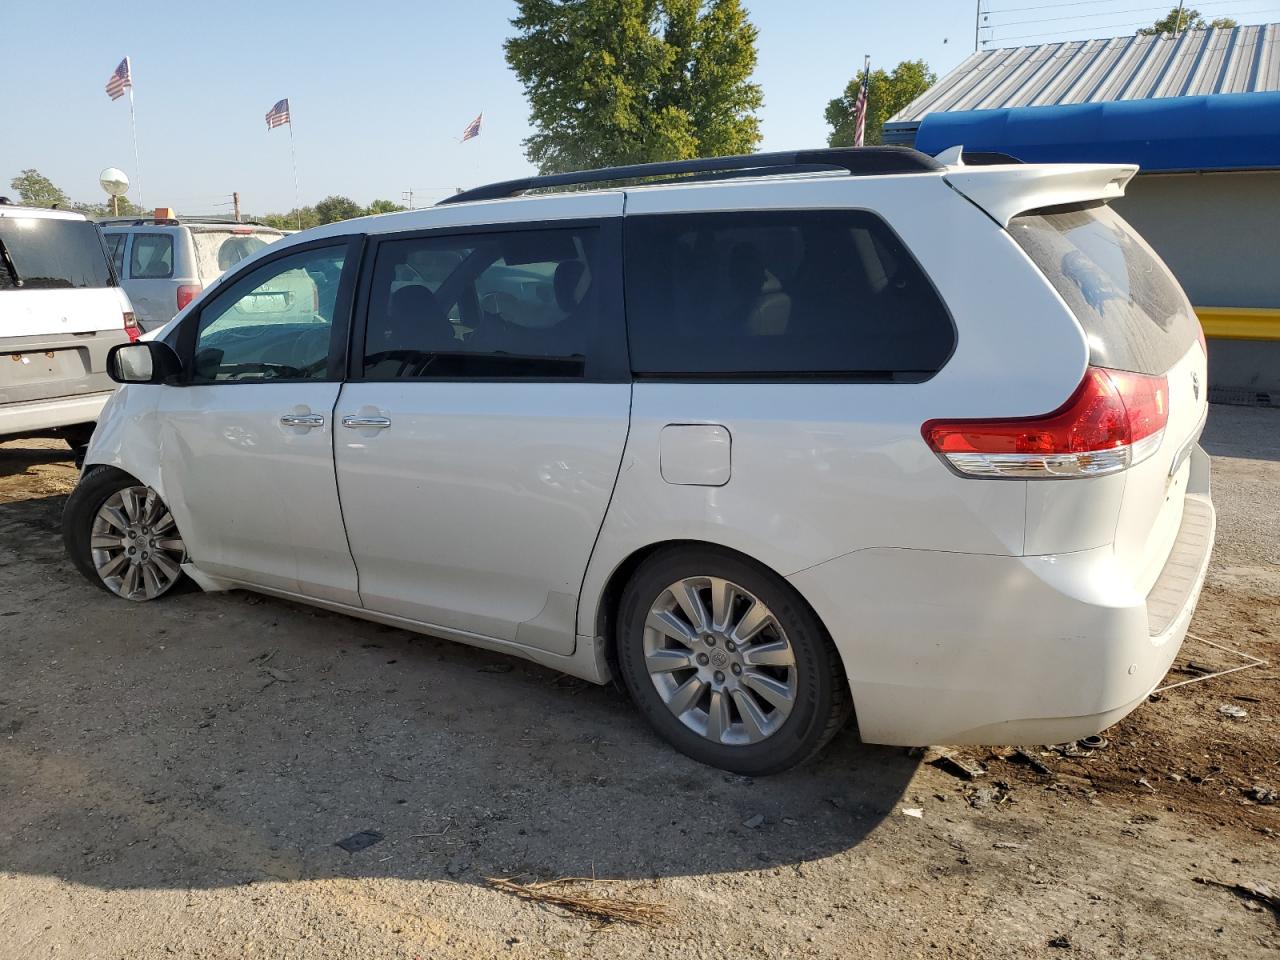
(1134, 314)
(47, 253)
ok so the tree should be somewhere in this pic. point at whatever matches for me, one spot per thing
(333, 209)
(100, 211)
(887, 93)
(37, 190)
(1179, 19)
(383, 206)
(291, 220)
(631, 81)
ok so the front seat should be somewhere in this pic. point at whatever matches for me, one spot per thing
(414, 325)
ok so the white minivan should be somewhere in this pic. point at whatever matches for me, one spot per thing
(774, 439)
(61, 311)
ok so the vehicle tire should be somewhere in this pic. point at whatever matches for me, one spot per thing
(77, 436)
(121, 535)
(727, 662)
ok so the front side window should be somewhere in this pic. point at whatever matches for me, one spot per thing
(52, 253)
(274, 323)
(502, 305)
(785, 293)
(1135, 315)
(152, 257)
(115, 247)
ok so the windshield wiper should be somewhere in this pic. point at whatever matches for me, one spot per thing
(8, 262)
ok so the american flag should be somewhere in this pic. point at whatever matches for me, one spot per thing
(120, 81)
(473, 129)
(860, 109)
(278, 115)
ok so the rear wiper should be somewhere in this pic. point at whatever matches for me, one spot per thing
(8, 262)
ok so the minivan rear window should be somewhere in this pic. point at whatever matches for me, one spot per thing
(780, 294)
(1134, 314)
(47, 253)
(217, 251)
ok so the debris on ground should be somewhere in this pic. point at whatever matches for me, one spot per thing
(917, 812)
(959, 766)
(1264, 795)
(1231, 710)
(458, 865)
(1061, 941)
(1030, 759)
(279, 675)
(604, 910)
(1094, 741)
(1254, 893)
(997, 793)
(360, 841)
(752, 822)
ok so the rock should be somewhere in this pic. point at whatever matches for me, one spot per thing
(752, 822)
(1231, 710)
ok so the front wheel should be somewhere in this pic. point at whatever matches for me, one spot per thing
(728, 663)
(121, 535)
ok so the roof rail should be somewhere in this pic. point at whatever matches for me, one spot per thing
(857, 161)
(137, 221)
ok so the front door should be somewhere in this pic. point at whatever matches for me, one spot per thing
(481, 430)
(246, 443)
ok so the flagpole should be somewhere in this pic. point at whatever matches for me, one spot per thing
(293, 155)
(137, 163)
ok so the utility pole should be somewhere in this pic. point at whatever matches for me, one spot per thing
(407, 196)
(1177, 21)
(235, 202)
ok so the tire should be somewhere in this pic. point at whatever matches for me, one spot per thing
(109, 505)
(766, 738)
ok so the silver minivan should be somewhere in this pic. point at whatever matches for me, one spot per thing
(164, 262)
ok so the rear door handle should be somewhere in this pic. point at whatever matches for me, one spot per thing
(302, 420)
(356, 423)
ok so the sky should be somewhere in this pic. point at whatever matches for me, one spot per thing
(381, 90)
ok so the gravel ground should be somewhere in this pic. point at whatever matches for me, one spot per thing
(174, 777)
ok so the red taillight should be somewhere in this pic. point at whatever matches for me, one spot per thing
(187, 292)
(1113, 420)
(131, 327)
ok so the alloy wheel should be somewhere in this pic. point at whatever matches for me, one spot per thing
(720, 660)
(135, 545)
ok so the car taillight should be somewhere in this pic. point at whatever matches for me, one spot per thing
(131, 327)
(187, 292)
(1114, 420)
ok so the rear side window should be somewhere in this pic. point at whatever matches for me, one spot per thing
(1133, 311)
(43, 253)
(780, 293)
(217, 251)
(152, 256)
(507, 305)
(115, 247)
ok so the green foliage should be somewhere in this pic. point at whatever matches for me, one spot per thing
(384, 206)
(633, 81)
(37, 190)
(332, 209)
(1187, 19)
(101, 211)
(887, 93)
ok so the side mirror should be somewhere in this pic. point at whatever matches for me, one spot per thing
(147, 361)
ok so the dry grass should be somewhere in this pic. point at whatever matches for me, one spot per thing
(569, 894)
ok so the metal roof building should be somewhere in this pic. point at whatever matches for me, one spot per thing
(1197, 63)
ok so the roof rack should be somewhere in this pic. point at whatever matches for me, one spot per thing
(136, 221)
(857, 161)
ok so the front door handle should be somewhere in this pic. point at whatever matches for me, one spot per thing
(376, 423)
(302, 420)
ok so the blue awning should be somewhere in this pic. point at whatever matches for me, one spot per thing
(1236, 131)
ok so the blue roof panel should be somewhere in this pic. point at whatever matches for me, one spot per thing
(1216, 132)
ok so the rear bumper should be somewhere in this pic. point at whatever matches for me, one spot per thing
(961, 648)
(33, 416)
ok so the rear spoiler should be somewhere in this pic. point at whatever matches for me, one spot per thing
(1005, 191)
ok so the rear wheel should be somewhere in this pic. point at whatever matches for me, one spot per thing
(727, 662)
(121, 535)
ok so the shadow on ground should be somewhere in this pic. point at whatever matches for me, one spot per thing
(213, 740)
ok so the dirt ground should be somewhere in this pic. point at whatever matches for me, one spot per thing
(174, 778)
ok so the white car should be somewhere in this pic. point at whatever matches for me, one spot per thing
(786, 437)
(61, 311)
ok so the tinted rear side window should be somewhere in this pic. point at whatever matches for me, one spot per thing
(51, 254)
(780, 293)
(219, 250)
(1131, 307)
(152, 257)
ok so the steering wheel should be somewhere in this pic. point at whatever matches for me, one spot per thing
(498, 302)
